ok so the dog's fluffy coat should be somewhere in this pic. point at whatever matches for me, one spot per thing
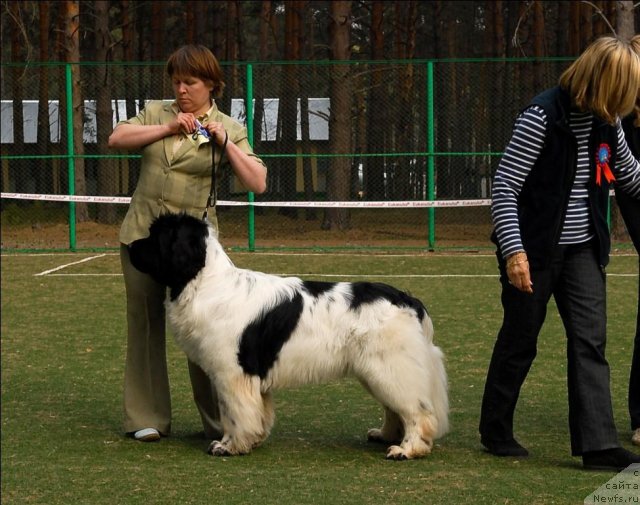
(252, 333)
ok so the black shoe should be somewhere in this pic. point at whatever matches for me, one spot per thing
(509, 448)
(616, 459)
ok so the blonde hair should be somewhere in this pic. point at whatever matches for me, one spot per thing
(197, 61)
(605, 78)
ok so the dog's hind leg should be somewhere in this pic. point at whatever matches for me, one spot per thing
(392, 429)
(407, 422)
(243, 415)
(412, 430)
(418, 437)
(401, 384)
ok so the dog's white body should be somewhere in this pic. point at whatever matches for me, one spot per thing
(312, 332)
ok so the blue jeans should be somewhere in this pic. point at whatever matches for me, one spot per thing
(578, 285)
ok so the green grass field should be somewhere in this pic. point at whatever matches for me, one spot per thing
(63, 344)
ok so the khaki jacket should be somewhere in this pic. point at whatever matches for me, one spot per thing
(175, 182)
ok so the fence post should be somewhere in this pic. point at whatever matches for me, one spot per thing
(430, 156)
(71, 165)
(250, 196)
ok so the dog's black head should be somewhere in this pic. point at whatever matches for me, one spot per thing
(174, 252)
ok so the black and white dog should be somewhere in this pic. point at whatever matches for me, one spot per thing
(253, 333)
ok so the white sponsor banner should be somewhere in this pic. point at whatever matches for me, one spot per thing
(358, 204)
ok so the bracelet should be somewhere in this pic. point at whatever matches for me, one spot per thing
(516, 258)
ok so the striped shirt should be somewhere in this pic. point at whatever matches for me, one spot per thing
(519, 158)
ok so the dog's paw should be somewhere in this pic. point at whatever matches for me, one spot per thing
(217, 448)
(396, 453)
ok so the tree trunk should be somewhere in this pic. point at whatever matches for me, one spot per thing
(60, 147)
(307, 169)
(190, 28)
(624, 19)
(340, 116)
(406, 18)
(625, 30)
(158, 88)
(373, 172)
(43, 179)
(538, 45)
(72, 47)
(574, 28)
(17, 74)
(289, 94)
(493, 44)
(499, 49)
(561, 35)
(264, 54)
(586, 25)
(597, 13)
(232, 79)
(446, 173)
(104, 113)
(307, 172)
(128, 169)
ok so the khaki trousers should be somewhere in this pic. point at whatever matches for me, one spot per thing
(147, 399)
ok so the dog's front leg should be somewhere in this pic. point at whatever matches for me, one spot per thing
(221, 447)
(242, 412)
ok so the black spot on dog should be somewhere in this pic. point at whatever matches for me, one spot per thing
(317, 288)
(369, 292)
(262, 340)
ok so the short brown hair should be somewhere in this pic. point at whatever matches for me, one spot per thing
(604, 79)
(197, 61)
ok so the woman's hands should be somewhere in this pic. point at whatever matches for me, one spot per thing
(217, 131)
(518, 272)
(186, 122)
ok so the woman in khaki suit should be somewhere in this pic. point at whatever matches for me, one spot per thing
(175, 176)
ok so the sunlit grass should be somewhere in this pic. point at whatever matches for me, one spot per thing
(63, 341)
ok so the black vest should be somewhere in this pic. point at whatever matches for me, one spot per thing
(632, 135)
(542, 204)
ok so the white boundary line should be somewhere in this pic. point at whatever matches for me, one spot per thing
(378, 276)
(258, 253)
(284, 274)
(84, 260)
(51, 272)
(417, 254)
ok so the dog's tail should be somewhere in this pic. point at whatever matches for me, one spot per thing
(438, 378)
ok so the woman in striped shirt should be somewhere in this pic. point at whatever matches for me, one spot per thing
(549, 209)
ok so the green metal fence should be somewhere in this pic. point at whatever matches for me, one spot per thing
(426, 137)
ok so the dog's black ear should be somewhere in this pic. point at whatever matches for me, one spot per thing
(187, 254)
(189, 249)
(144, 256)
(152, 255)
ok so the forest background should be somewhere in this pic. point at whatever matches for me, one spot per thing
(369, 60)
